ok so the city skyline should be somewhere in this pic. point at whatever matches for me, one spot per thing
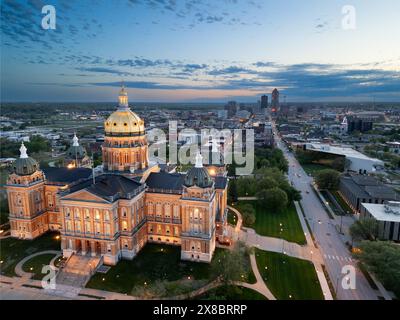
(200, 51)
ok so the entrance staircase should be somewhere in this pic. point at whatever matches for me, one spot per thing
(78, 270)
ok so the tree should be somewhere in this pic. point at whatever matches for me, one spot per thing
(383, 259)
(231, 265)
(246, 186)
(232, 191)
(266, 183)
(273, 199)
(364, 229)
(248, 214)
(328, 179)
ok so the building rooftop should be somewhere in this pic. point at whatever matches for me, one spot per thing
(165, 181)
(344, 151)
(65, 175)
(384, 212)
(115, 186)
(367, 186)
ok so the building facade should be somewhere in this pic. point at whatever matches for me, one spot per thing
(357, 189)
(132, 202)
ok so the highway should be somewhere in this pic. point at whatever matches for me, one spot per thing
(333, 250)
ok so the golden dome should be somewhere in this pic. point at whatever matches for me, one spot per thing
(125, 122)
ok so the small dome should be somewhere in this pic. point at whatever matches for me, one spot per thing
(25, 165)
(198, 175)
(76, 151)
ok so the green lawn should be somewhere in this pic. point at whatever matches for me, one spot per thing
(13, 250)
(154, 267)
(232, 218)
(285, 224)
(36, 264)
(313, 168)
(287, 277)
(231, 293)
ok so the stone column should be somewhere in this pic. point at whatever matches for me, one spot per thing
(93, 248)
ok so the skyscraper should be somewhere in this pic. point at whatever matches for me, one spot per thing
(275, 100)
(264, 102)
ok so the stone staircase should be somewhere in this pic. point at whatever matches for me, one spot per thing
(78, 270)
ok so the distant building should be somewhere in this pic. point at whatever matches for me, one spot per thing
(275, 101)
(387, 216)
(264, 102)
(394, 146)
(232, 108)
(355, 161)
(222, 114)
(357, 189)
(360, 124)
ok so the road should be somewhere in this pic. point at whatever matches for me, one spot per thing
(333, 250)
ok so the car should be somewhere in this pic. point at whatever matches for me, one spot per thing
(307, 192)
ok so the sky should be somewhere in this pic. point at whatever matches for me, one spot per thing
(201, 50)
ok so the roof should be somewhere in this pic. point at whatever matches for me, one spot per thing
(116, 186)
(368, 187)
(220, 182)
(384, 212)
(66, 175)
(343, 151)
(165, 181)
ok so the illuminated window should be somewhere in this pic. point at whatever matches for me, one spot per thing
(97, 214)
(124, 225)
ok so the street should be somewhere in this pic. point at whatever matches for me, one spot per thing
(334, 252)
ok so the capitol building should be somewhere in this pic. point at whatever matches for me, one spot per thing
(114, 214)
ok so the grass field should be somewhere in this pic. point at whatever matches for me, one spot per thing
(36, 264)
(313, 168)
(285, 224)
(13, 250)
(231, 293)
(288, 278)
(156, 264)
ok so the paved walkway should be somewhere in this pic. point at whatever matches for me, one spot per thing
(18, 268)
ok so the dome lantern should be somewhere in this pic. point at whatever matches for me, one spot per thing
(23, 152)
(123, 98)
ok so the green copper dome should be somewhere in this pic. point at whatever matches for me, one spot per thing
(25, 165)
(76, 150)
(198, 175)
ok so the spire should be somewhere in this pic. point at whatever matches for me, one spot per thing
(23, 149)
(123, 97)
(75, 141)
(199, 160)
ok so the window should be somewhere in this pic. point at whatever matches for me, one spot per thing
(124, 225)
(124, 212)
(77, 226)
(97, 214)
(106, 215)
(97, 227)
(107, 229)
(87, 214)
(77, 214)
(88, 227)
(67, 212)
(167, 230)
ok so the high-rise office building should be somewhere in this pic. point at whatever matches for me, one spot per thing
(264, 102)
(275, 100)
